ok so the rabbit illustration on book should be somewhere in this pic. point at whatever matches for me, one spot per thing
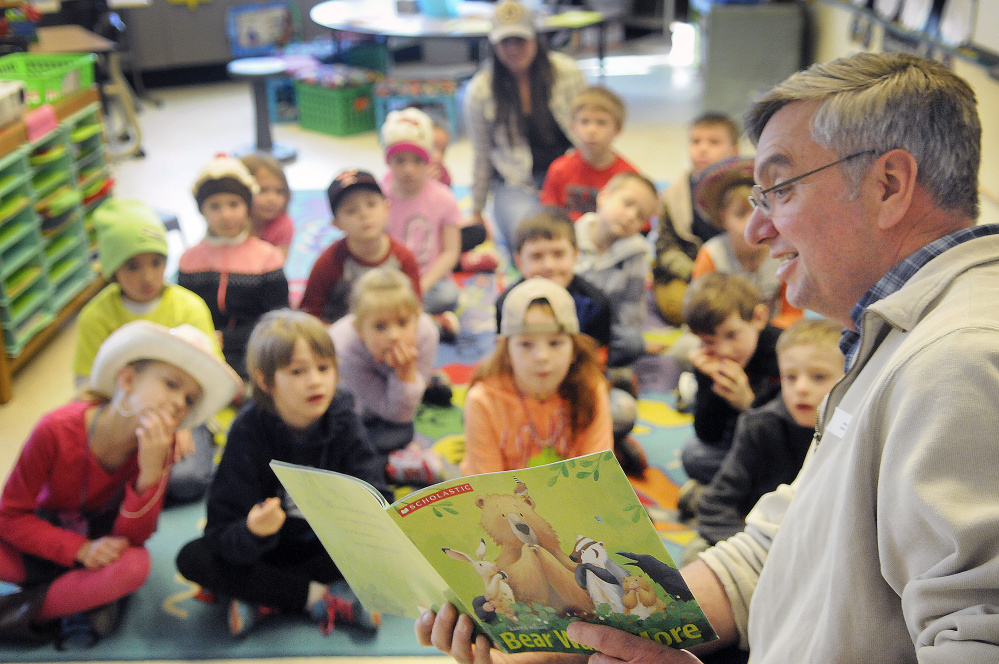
(498, 596)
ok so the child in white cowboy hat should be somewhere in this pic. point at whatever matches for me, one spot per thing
(87, 490)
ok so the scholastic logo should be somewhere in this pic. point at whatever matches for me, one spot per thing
(433, 498)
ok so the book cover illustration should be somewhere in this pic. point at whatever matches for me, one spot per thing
(523, 552)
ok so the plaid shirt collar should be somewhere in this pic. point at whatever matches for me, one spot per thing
(849, 341)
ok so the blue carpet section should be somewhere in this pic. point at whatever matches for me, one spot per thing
(164, 621)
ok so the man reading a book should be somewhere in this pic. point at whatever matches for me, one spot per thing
(867, 172)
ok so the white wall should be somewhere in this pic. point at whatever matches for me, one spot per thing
(831, 39)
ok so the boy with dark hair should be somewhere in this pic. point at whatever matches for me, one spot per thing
(574, 179)
(361, 211)
(545, 246)
(735, 367)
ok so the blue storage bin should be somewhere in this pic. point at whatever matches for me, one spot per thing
(438, 8)
(281, 104)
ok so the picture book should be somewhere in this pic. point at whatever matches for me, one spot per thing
(523, 552)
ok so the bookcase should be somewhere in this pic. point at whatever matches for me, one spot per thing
(48, 187)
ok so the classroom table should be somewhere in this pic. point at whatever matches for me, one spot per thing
(382, 18)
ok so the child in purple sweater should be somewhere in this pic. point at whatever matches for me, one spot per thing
(385, 350)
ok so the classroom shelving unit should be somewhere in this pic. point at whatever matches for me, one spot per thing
(48, 186)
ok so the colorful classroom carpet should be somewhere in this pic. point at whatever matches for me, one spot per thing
(163, 620)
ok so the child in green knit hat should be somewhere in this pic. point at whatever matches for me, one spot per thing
(131, 243)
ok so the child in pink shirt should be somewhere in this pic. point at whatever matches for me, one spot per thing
(269, 211)
(423, 213)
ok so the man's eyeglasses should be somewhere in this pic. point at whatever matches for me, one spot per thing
(758, 197)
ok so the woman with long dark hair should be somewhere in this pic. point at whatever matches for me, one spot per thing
(517, 111)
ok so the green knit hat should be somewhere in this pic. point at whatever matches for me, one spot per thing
(126, 228)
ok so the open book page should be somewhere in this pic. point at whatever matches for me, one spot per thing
(532, 550)
(383, 568)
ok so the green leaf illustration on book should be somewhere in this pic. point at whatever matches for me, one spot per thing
(525, 553)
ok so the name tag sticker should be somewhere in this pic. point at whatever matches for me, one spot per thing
(839, 422)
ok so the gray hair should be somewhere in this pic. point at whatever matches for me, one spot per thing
(882, 102)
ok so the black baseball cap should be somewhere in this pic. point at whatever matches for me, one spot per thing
(348, 181)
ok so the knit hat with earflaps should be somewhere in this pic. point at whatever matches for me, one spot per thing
(225, 175)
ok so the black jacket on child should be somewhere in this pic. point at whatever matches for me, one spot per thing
(337, 442)
(715, 418)
(768, 450)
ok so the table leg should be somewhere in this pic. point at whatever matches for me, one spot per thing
(264, 142)
(601, 46)
(119, 87)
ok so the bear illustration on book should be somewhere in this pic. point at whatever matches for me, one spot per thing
(533, 571)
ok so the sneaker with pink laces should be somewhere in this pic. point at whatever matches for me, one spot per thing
(244, 615)
(335, 608)
(415, 466)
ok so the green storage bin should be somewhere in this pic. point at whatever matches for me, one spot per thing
(48, 78)
(339, 111)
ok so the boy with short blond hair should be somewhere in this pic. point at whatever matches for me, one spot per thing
(735, 366)
(574, 179)
(361, 211)
(614, 256)
(771, 441)
(714, 137)
(545, 246)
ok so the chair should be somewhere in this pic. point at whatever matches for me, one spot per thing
(257, 32)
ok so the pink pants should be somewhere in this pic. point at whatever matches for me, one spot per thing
(80, 589)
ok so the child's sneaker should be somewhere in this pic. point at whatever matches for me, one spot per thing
(333, 609)
(483, 258)
(415, 466)
(243, 616)
(689, 496)
(686, 392)
(631, 456)
(438, 391)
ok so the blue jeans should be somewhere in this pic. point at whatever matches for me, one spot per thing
(511, 204)
(701, 461)
(190, 477)
(441, 297)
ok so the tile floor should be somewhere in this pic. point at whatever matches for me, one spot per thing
(662, 92)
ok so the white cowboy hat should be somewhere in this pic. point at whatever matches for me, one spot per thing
(185, 347)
